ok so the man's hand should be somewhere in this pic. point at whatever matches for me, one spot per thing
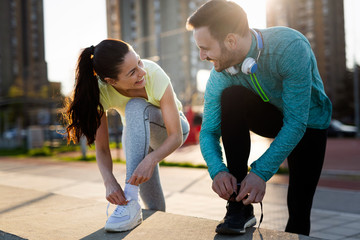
(253, 187)
(224, 184)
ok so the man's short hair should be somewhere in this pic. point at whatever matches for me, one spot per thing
(221, 17)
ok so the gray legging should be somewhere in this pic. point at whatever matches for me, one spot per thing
(145, 131)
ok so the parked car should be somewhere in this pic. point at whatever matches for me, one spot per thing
(13, 133)
(339, 129)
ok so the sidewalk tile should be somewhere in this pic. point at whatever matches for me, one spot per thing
(342, 230)
(327, 236)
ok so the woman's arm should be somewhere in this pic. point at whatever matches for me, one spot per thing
(114, 193)
(171, 119)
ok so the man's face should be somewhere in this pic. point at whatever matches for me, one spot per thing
(212, 50)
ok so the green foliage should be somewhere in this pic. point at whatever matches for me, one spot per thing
(344, 103)
(184, 164)
(90, 158)
(40, 152)
(13, 152)
(282, 170)
(48, 151)
(113, 145)
(67, 148)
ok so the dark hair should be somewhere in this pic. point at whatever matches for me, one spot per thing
(84, 110)
(221, 17)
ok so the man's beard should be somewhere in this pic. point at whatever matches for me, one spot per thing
(226, 59)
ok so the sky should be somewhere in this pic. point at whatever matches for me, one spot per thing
(73, 25)
(69, 27)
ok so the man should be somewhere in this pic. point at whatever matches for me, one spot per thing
(266, 81)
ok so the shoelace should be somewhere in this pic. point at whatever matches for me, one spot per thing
(262, 215)
(118, 210)
(233, 196)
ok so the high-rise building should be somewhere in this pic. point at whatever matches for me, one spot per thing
(22, 54)
(322, 22)
(26, 95)
(156, 30)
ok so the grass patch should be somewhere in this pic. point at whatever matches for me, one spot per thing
(47, 151)
(92, 158)
(13, 152)
(67, 148)
(88, 158)
(112, 145)
(40, 152)
(184, 164)
(282, 170)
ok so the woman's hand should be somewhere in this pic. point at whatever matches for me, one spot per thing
(114, 193)
(143, 172)
(170, 114)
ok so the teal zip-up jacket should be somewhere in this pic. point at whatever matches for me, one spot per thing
(288, 74)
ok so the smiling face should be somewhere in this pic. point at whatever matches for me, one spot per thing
(212, 50)
(223, 54)
(132, 74)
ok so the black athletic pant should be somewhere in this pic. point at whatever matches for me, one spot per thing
(242, 110)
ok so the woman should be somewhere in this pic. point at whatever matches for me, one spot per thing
(112, 75)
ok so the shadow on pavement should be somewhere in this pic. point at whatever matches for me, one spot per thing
(102, 234)
(8, 236)
(249, 235)
(27, 203)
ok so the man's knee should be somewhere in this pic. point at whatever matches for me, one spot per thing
(234, 96)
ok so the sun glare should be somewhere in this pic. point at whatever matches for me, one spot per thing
(256, 12)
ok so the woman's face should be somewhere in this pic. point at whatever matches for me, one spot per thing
(132, 73)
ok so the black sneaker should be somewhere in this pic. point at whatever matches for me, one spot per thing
(238, 217)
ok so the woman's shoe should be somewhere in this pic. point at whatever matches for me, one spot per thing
(125, 217)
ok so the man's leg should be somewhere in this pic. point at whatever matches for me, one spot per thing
(242, 111)
(305, 164)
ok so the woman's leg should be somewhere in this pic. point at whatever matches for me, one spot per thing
(145, 130)
(158, 135)
(305, 164)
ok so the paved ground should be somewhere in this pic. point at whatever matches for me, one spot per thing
(44, 198)
(40, 194)
(341, 168)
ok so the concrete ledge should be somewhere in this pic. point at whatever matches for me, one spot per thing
(31, 214)
(162, 225)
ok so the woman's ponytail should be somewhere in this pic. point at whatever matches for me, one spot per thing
(84, 111)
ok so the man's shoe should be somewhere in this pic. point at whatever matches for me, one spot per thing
(125, 217)
(238, 217)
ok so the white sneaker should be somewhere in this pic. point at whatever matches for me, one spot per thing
(125, 217)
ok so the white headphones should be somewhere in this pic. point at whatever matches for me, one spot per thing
(249, 65)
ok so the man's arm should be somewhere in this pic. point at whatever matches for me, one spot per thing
(211, 127)
(224, 184)
(296, 68)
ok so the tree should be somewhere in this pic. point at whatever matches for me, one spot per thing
(344, 107)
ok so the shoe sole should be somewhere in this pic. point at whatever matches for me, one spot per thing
(236, 231)
(127, 227)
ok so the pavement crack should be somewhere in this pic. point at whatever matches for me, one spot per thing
(193, 182)
(27, 203)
